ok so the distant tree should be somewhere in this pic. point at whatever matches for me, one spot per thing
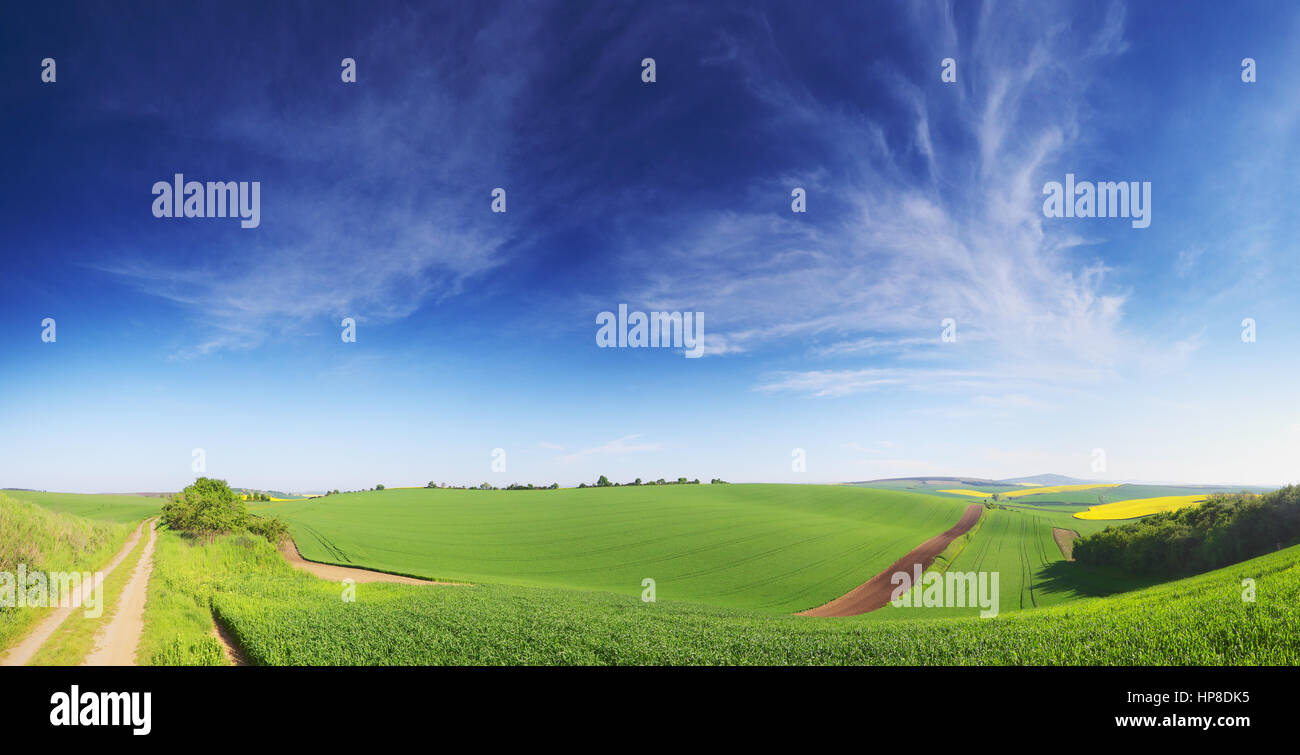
(379, 487)
(603, 482)
(431, 484)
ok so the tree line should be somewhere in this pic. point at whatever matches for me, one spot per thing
(1226, 529)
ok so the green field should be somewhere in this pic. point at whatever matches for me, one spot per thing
(777, 548)
(1018, 546)
(1049, 610)
(106, 508)
(284, 617)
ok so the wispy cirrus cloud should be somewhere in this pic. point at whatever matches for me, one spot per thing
(932, 215)
(371, 209)
(619, 447)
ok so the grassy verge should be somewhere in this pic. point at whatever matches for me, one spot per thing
(178, 610)
(47, 541)
(75, 637)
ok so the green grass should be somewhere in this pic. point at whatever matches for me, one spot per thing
(47, 541)
(1061, 517)
(108, 508)
(74, 639)
(178, 610)
(284, 617)
(774, 548)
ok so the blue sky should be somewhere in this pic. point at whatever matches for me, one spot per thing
(476, 330)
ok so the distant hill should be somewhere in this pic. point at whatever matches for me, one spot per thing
(931, 478)
(1041, 479)
(1047, 479)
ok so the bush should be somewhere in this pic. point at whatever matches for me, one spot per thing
(272, 528)
(208, 507)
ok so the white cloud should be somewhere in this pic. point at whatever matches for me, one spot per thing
(618, 447)
(331, 245)
(903, 249)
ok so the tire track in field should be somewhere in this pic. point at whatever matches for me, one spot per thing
(334, 573)
(116, 644)
(25, 650)
(875, 592)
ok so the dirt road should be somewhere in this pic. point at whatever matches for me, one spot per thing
(875, 592)
(115, 645)
(23, 652)
(340, 573)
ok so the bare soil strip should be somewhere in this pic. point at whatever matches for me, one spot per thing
(1065, 541)
(116, 644)
(23, 652)
(339, 573)
(234, 656)
(875, 592)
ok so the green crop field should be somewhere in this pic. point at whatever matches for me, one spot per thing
(549, 569)
(1018, 546)
(284, 617)
(107, 508)
(777, 548)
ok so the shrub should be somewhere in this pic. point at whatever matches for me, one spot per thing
(272, 528)
(208, 507)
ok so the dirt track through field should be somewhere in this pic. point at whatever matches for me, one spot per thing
(339, 573)
(229, 648)
(24, 651)
(875, 592)
(115, 644)
(1065, 541)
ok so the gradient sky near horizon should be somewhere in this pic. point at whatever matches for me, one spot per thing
(477, 330)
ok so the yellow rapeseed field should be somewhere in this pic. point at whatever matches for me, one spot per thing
(1136, 507)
